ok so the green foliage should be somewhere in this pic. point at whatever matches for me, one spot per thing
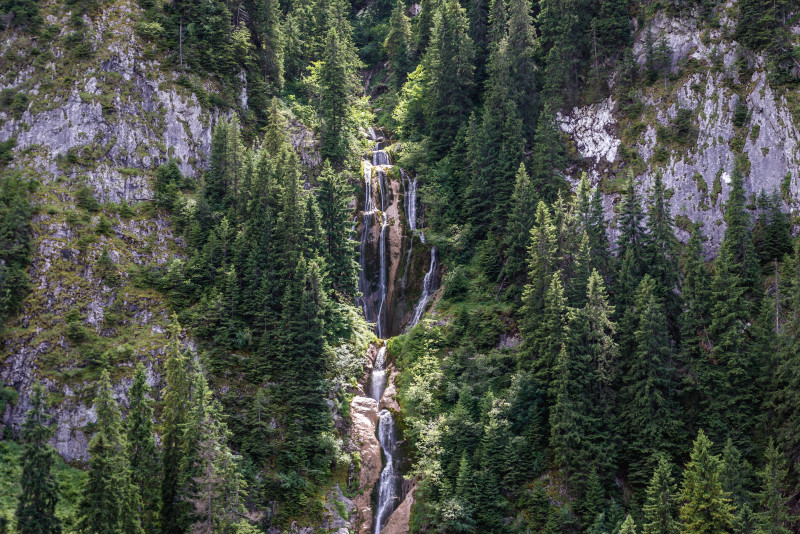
(141, 449)
(85, 198)
(111, 502)
(168, 183)
(661, 507)
(706, 507)
(16, 242)
(39, 496)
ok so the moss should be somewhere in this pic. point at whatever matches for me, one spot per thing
(716, 188)
(786, 185)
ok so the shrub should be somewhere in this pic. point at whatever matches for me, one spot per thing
(86, 200)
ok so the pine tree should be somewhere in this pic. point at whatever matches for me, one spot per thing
(661, 507)
(176, 397)
(521, 47)
(549, 157)
(775, 516)
(338, 80)
(334, 195)
(36, 511)
(706, 507)
(580, 436)
(142, 452)
(648, 404)
(737, 243)
(397, 45)
(448, 62)
(520, 223)
(660, 252)
(628, 526)
(111, 501)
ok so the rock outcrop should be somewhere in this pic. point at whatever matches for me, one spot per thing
(706, 82)
(364, 416)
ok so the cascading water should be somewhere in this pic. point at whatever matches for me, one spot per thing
(366, 225)
(411, 204)
(387, 484)
(428, 287)
(379, 221)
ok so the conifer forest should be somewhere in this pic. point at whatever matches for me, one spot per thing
(399, 266)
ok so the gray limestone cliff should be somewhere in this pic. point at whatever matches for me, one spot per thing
(704, 80)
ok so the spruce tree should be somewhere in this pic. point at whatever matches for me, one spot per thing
(142, 453)
(521, 47)
(632, 238)
(541, 265)
(733, 384)
(737, 243)
(649, 408)
(338, 80)
(176, 397)
(660, 252)
(448, 61)
(783, 402)
(695, 320)
(579, 422)
(706, 507)
(397, 45)
(209, 478)
(36, 510)
(520, 223)
(334, 195)
(549, 336)
(661, 507)
(111, 501)
(775, 516)
(549, 157)
(628, 526)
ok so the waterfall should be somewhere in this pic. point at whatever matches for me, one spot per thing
(380, 157)
(428, 287)
(366, 225)
(383, 284)
(378, 380)
(387, 484)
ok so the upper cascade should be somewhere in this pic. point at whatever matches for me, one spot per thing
(386, 245)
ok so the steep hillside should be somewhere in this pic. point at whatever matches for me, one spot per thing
(711, 103)
(91, 126)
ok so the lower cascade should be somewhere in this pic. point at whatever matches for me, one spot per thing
(387, 484)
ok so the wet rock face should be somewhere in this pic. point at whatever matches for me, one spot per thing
(696, 177)
(364, 416)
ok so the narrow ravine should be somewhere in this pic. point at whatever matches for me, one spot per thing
(379, 271)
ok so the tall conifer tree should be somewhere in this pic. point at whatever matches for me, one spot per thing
(36, 511)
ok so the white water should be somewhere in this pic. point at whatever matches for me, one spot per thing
(428, 287)
(387, 484)
(366, 225)
(411, 204)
